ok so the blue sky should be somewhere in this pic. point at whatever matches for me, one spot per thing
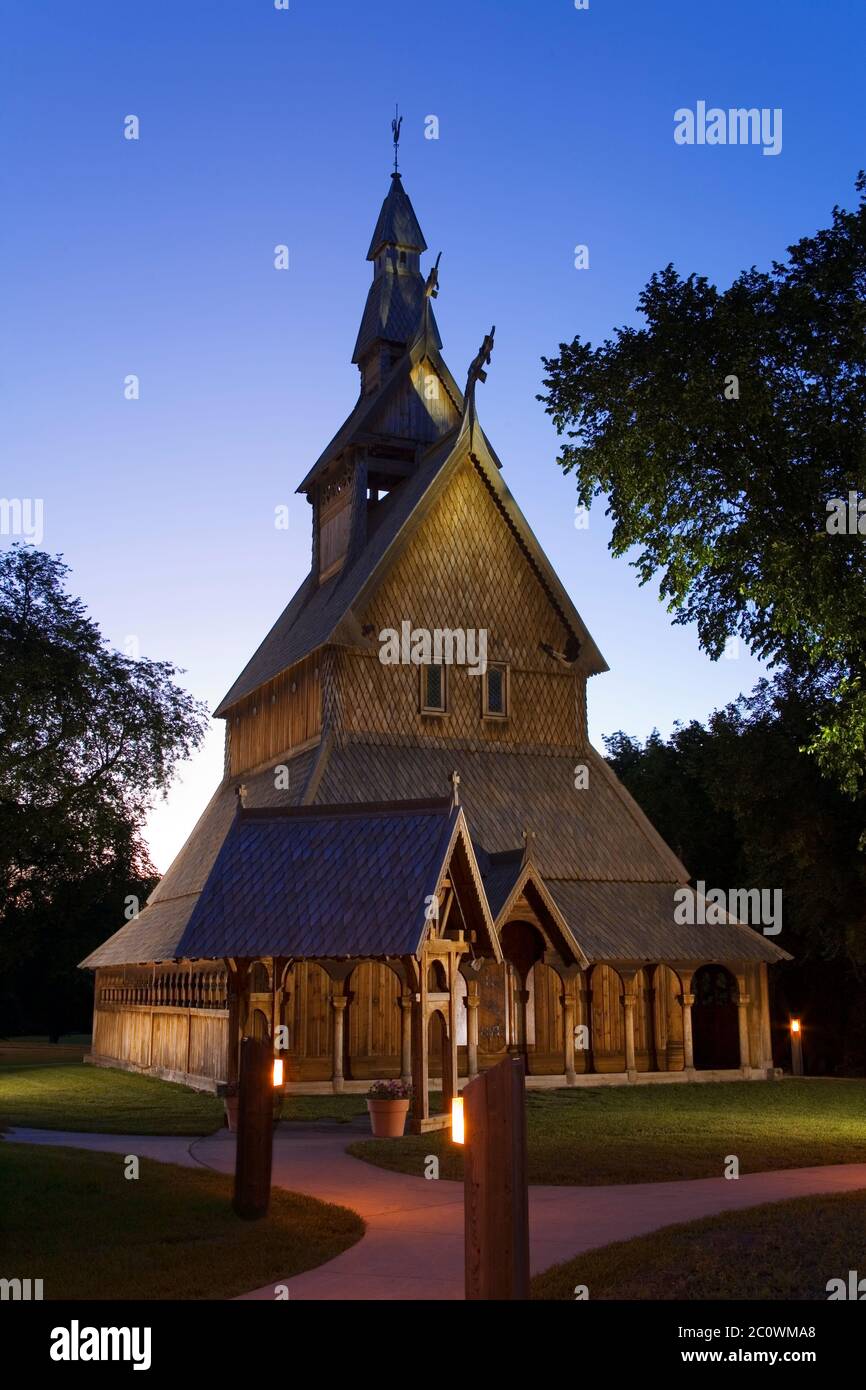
(261, 126)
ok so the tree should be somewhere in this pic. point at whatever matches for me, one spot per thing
(88, 738)
(745, 807)
(720, 433)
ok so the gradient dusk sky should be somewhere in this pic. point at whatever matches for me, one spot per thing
(261, 126)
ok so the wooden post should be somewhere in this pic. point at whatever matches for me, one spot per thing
(629, 1001)
(255, 1144)
(687, 999)
(496, 1196)
(567, 998)
(406, 1039)
(584, 998)
(472, 1005)
(743, 1025)
(339, 1002)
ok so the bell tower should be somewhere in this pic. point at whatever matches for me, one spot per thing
(395, 300)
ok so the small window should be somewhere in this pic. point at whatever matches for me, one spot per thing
(432, 689)
(402, 257)
(496, 692)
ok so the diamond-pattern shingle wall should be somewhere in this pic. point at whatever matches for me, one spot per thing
(464, 569)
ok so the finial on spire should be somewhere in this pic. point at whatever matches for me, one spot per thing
(395, 133)
(455, 788)
(476, 374)
(431, 288)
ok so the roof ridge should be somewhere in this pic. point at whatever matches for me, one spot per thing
(334, 810)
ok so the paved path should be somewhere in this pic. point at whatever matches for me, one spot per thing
(413, 1247)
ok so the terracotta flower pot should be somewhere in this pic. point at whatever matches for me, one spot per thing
(388, 1117)
(231, 1104)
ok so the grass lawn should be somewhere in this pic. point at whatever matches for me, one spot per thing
(340, 1108)
(65, 1094)
(46, 1086)
(660, 1133)
(72, 1219)
(784, 1250)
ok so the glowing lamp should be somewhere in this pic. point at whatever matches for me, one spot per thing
(278, 1071)
(458, 1133)
(795, 1025)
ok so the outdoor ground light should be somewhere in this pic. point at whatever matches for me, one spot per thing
(795, 1025)
(458, 1133)
(796, 1047)
(278, 1071)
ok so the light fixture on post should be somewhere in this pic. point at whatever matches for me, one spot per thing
(458, 1132)
(796, 1047)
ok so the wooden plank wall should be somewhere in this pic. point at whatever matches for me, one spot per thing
(374, 1021)
(547, 1058)
(180, 1042)
(422, 409)
(280, 716)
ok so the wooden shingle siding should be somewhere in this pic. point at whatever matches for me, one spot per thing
(281, 716)
(465, 570)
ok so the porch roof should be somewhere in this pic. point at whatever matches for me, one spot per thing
(314, 882)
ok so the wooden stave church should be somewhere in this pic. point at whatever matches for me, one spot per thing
(332, 887)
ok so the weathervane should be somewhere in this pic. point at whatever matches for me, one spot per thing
(395, 132)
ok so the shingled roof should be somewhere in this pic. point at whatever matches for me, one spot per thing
(315, 614)
(393, 311)
(635, 922)
(319, 882)
(155, 933)
(397, 224)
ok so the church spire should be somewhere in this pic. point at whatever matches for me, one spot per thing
(396, 298)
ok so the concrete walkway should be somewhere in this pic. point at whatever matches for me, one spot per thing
(413, 1246)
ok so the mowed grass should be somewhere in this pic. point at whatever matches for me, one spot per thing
(783, 1250)
(660, 1133)
(72, 1219)
(312, 1108)
(68, 1095)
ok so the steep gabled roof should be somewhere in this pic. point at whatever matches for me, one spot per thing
(424, 346)
(329, 612)
(395, 302)
(319, 882)
(397, 224)
(514, 875)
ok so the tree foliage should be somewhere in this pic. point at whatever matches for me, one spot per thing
(88, 739)
(723, 487)
(744, 807)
